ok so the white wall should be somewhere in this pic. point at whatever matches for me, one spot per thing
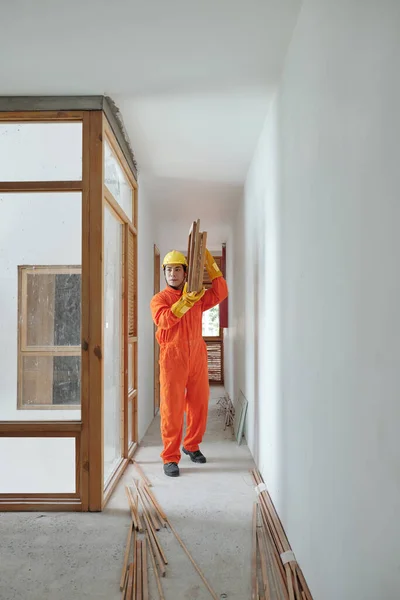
(319, 294)
(146, 241)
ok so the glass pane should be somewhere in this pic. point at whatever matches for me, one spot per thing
(50, 380)
(117, 183)
(41, 303)
(37, 466)
(112, 342)
(53, 307)
(130, 367)
(40, 151)
(211, 322)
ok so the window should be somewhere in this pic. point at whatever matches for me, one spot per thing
(49, 337)
(211, 322)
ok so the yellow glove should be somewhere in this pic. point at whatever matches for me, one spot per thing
(186, 301)
(212, 267)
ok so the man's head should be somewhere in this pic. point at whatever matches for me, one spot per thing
(175, 266)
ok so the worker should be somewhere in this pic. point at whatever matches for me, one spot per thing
(183, 358)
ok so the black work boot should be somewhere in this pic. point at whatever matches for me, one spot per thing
(195, 456)
(171, 469)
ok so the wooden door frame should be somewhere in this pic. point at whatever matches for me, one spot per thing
(157, 275)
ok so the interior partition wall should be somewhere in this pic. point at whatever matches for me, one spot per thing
(68, 302)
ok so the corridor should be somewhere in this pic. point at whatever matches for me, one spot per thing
(75, 555)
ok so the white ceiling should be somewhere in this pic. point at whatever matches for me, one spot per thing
(192, 80)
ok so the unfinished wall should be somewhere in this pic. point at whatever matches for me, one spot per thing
(319, 293)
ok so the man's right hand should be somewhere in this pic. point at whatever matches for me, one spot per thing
(186, 302)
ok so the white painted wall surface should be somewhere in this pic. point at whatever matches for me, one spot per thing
(320, 297)
(146, 241)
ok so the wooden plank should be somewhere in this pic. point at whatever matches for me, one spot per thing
(203, 247)
(254, 586)
(139, 573)
(40, 186)
(204, 580)
(96, 323)
(142, 474)
(128, 548)
(159, 587)
(145, 572)
(129, 588)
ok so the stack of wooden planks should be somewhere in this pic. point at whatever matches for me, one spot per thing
(276, 574)
(196, 257)
(147, 519)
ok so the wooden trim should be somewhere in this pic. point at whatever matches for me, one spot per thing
(132, 449)
(78, 466)
(41, 505)
(42, 116)
(38, 428)
(85, 315)
(135, 208)
(96, 316)
(40, 186)
(115, 207)
(132, 229)
(29, 496)
(48, 406)
(125, 365)
(156, 347)
(52, 350)
(119, 155)
(114, 479)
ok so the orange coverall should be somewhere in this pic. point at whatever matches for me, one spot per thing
(183, 368)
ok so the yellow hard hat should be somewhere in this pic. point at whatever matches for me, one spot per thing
(174, 258)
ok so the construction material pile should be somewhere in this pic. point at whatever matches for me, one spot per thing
(147, 519)
(276, 574)
(225, 407)
(196, 257)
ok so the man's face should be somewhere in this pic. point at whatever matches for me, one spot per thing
(175, 276)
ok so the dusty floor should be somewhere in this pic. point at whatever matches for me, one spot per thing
(69, 556)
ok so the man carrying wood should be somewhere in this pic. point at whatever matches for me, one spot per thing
(183, 358)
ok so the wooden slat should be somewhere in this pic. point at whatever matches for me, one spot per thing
(215, 360)
(96, 323)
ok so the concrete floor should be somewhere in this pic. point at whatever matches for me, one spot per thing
(66, 556)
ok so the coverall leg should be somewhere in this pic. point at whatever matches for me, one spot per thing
(173, 379)
(198, 392)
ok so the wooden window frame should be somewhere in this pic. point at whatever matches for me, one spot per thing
(90, 492)
(23, 348)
